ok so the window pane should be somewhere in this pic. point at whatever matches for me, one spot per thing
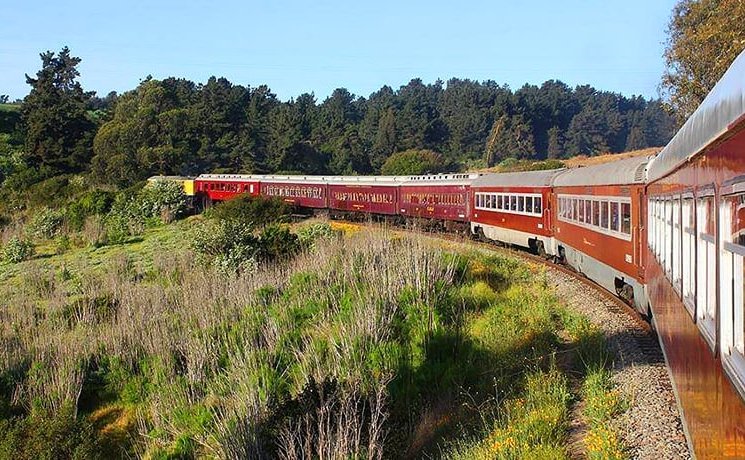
(499, 202)
(513, 202)
(521, 203)
(595, 213)
(537, 205)
(615, 217)
(604, 214)
(529, 203)
(626, 218)
(581, 210)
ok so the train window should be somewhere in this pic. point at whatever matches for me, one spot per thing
(706, 267)
(604, 214)
(660, 228)
(537, 205)
(494, 201)
(689, 254)
(614, 217)
(521, 204)
(529, 203)
(668, 235)
(732, 271)
(513, 202)
(677, 238)
(626, 218)
(581, 211)
(595, 213)
(500, 202)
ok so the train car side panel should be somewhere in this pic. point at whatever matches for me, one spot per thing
(695, 271)
(301, 194)
(225, 189)
(369, 199)
(433, 201)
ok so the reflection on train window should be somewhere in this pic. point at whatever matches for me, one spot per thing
(614, 217)
(595, 213)
(677, 237)
(626, 218)
(689, 254)
(706, 266)
(603, 214)
(732, 279)
(732, 274)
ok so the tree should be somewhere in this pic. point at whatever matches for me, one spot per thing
(4, 98)
(704, 37)
(414, 162)
(59, 133)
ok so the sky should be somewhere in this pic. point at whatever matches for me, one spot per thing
(316, 46)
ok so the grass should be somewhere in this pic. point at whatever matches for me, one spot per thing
(374, 345)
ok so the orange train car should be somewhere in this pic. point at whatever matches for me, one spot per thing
(695, 271)
(599, 225)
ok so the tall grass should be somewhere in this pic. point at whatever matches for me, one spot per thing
(370, 346)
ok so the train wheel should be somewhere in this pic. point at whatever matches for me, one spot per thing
(540, 250)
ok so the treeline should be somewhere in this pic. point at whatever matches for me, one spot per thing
(176, 126)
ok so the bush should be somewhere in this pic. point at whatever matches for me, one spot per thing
(260, 211)
(228, 245)
(17, 250)
(277, 242)
(45, 224)
(93, 202)
(309, 234)
(165, 200)
(49, 436)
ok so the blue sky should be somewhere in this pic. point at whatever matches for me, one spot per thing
(297, 47)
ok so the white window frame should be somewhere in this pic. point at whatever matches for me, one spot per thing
(732, 301)
(506, 202)
(689, 252)
(706, 271)
(573, 219)
(677, 237)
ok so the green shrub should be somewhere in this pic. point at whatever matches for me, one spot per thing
(93, 202)
(17, 250)
(228, 245)
(49, 436)
(45, 224)
(277, 242)
(164, 200)
(309, 234)
(260, 211)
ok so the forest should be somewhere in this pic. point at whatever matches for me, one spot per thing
(176, 126)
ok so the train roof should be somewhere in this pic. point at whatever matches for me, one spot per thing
(518, 179)
(723, 106)
(622, 172)
(449, 178)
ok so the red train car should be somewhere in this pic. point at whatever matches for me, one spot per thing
(442, 197)
(359, 194)
(221, 187)
(514, 208)
(599, 226)
(696, 269)
(301, 191)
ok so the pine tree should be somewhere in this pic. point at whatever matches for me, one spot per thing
(59, 133)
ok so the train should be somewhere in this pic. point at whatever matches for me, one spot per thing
(666, 233)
